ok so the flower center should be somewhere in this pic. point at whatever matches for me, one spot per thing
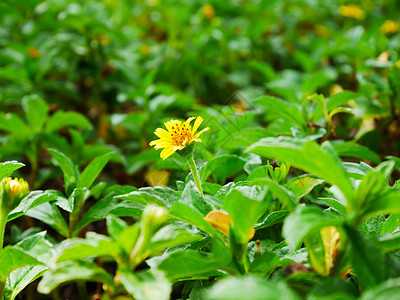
(180, 134)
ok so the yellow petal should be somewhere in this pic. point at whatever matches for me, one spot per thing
(197, 135)
(197, 123)
(167, 152)
(189, 120)
(162, 133)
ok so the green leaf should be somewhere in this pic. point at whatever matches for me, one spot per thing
(265, 263)
(15, 125)
(21, 278)
(6, 168)
(273, 218)
(158, 195)
(282, 193)
(12, 258)
(38, 247)
(306, 220)
(284, 109)
(189, 215)
(61, 119)
(303, 185)
(250, 287)
(36, 111)
(106, 206)
(115, 226)
(73, 271)
(192, 197)
(245, 212)
(172, 235)
(71, 172)
(392, 222)
(368, 261)
(352, 149)
(93, 170)
(389, 241)
(32, 200)
(335, 204)
(390, 289)
(50, 215)
(93, 245)
(222, 166)
(146, 285)
(382, 204)
(183, 265)
(320, 161)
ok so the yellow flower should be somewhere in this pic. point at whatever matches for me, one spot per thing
(352, 11)
(390, 27)
(177, 136)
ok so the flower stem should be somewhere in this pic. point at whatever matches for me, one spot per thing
(196, 176)
(3, 222)
(2, 287)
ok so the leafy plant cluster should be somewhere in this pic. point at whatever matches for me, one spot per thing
(293, 192)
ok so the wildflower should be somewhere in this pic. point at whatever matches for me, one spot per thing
(390, 27)
(220, 220)
(177, 136)
(12, 191)
(352, 11)
(208, 11)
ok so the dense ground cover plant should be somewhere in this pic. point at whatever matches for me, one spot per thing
(278, 175)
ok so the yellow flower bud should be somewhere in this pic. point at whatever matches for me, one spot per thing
(12, 191)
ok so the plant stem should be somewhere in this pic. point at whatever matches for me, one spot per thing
(196, 176)
(3, 222)
(2, 287)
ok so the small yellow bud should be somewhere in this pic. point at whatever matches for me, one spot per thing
(12, 191)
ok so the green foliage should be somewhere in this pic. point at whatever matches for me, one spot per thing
(293, 193)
